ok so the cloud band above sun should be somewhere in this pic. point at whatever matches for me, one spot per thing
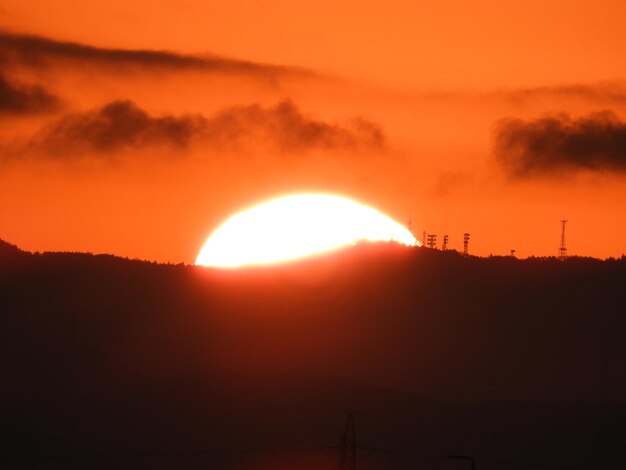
(297, 226)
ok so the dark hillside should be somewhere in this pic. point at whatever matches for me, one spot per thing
(504, 358)
(9, 252)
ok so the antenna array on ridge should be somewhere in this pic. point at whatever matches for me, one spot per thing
(466, 237)
(563, 247)
(431, 240)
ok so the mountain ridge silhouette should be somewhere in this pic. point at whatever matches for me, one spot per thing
(511, 359)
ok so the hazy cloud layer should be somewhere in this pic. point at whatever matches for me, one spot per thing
(599, 94)
(451, 181)
(38, 52)
(557, 144)
(612, 93)
(122, 125)
(291, 130)
(17, 98)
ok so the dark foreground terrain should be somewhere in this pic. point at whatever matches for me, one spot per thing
(113, 363)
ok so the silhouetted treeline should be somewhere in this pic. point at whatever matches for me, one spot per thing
(515, 359)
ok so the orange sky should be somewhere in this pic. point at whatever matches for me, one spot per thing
(433, 81)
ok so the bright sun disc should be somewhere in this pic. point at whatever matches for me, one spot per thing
(296, 226)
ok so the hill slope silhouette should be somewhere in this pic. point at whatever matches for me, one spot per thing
(114, 363)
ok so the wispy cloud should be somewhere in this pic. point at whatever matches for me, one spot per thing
(612, 93)
(606, 94)
(38, 52)
(450, 181)
(558, 144)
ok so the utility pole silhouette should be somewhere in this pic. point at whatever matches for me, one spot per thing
(563, 247)
(444, 245)
(347, 448)
(466, 237)
(513, 253)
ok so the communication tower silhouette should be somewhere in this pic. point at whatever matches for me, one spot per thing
(466, 237)
(513, 253)
(424, 238)
(432, 240)
(563, 247)
(347, 448)
(444, 245)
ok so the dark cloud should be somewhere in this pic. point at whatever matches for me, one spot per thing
(122, 125)
(16, 98)
(558, 144)
(117, 126)
(38, 52)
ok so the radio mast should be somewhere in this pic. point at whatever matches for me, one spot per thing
(563, 247)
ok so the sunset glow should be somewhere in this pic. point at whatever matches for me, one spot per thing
(297, 226)
(209, 225)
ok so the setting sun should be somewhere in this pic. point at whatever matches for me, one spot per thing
(296, 226)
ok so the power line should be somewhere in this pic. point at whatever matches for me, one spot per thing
(471, 460)
(437, 457)
(207, 452)
(527, 464)
(172, 453)
(402, 452)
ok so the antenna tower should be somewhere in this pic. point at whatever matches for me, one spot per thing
(563, 247)
(432, 240)
(466, 237)
(347, 455)
(444, 245)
